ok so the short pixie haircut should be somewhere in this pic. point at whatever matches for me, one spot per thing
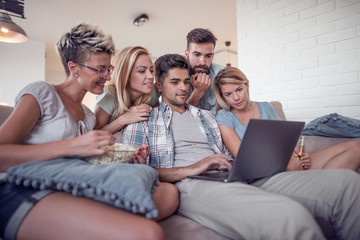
(200, 35)
(167, 62)
(83, 40)
(228, 75)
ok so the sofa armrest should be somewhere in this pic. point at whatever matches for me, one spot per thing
(317, 143)
(5, 112)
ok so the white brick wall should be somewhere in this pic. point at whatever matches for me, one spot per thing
(304, 53)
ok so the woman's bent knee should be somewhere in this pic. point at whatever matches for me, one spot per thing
(166, 198)
(353, 144)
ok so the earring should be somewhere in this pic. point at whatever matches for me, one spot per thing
(76, 75)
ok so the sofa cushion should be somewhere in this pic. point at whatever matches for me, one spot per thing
(123, 185)
(278, 109)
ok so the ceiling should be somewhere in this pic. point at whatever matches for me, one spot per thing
(170, 21)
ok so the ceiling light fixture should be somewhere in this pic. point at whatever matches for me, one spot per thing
(10, 32)
(140, 20)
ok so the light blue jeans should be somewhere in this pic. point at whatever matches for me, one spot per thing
(281, 207)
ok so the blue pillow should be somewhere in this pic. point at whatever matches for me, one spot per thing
(126, 186)
(333, 125)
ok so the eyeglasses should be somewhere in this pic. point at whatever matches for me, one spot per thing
(103, 72)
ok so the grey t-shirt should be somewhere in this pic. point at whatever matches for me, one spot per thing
(190, 143)
(55, 122)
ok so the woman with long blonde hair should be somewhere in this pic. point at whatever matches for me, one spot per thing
(125, 98)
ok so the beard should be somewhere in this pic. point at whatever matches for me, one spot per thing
(174, 101)
(193, 69)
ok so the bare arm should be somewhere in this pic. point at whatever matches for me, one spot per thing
(102, 117)
(201, 83)
(19, 124)
(230, 138)
(135, 114)
(176, 174)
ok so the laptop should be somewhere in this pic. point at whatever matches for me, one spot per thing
(265, 150)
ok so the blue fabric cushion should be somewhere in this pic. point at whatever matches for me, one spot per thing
(333, 125)
(126, 186)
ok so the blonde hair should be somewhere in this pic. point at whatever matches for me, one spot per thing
(82, 40)
(123, 62)
(229, 75)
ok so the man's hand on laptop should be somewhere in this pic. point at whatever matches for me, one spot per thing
(216, 161)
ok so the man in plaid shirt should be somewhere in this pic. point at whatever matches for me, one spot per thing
(185, 141)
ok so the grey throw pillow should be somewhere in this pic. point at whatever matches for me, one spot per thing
(333, 125)
(126, 186)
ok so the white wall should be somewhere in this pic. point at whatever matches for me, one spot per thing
(225, 57)
(20, 64)
(304, 53)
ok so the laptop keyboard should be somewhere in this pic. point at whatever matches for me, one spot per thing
(220, 175)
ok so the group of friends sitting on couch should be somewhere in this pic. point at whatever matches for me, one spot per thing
(198, 125)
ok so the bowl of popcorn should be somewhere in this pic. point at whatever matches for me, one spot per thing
(117, 153)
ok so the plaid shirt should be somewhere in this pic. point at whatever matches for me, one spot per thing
(158, 135)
